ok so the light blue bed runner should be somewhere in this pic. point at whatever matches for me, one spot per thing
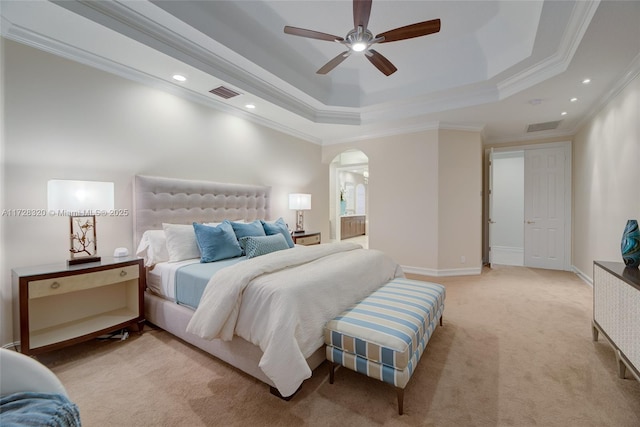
(191, 279)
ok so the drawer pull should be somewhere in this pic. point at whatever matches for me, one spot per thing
(123, 273)
(55, 285)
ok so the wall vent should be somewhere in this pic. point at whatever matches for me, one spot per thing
(224, 92)
(536, 127)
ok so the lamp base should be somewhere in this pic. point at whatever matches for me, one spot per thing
(83, 260)
(298, 232)
(299, 221)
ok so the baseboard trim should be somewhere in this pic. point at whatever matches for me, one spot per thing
(581, 275)
(442, 273)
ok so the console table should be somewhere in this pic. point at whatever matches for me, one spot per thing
(616, 312)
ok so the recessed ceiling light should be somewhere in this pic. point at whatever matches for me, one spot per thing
(586, 81)
(573, 99)
(179, 78)
(564, 113)
(250, 106)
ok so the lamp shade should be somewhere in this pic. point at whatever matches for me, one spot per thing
(76, 197)
(299, 201)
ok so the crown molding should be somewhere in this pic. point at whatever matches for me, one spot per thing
(532, 137)
(558, 62)
(131, 20)
(26, 36)
(123, 18)
(404, 130)
(632, 72)
(469, 127)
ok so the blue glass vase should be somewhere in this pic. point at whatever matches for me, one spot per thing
(630, 244)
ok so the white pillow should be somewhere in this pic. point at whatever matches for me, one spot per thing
(153, 247)
(181, 242)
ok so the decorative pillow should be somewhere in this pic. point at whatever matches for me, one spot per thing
(216, 243)
(181, 242)
(211, 224)
(261, 245)
(153, 247)
(248, 229)
(278, 226)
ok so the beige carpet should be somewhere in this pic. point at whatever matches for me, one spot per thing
(515, 350)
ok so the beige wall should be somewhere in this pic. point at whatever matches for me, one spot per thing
(459, 200)
(424, 192)
(68, 121)
(606, 179)
(403, 174)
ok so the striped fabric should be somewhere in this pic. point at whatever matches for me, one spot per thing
(379, 371)
(390, 327)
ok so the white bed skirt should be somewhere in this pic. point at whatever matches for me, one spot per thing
(238, 352)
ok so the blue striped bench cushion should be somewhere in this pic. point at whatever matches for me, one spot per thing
(379, 371)
(389, 326)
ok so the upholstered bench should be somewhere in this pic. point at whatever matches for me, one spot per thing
(384, 335)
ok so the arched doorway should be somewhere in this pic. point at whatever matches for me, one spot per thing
(349, 181)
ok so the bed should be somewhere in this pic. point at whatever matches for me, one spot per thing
(261, 314)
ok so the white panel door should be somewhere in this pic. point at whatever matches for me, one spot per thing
(544, 208)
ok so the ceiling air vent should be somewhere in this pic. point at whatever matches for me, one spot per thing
(536, 127)
(224, 92)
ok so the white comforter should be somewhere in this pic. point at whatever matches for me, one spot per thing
(281, 302)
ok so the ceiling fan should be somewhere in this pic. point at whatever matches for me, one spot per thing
(360, 39)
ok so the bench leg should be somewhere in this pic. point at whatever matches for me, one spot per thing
(400, 400)
(332, 367)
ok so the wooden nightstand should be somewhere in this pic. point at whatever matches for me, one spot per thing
(61, 305)
(306, 238)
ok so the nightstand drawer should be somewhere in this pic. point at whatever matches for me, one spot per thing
(63, 285)
(309, 240)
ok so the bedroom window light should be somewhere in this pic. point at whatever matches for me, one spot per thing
(300, 203)
(81, 201)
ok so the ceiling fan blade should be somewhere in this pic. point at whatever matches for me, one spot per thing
(381, 63)
(333, 63)
(410, 31)
(311, 34)
(361, 13)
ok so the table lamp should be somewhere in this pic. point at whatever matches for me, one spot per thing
(81, 201)
(300, 203)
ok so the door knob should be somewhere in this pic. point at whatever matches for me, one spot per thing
(531, 222)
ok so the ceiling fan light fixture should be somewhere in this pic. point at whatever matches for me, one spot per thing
(360, 39)
(358, 46)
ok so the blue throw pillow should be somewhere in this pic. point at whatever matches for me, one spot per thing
(261, 245)
(251, 229)
(278, 227)
(216, 243)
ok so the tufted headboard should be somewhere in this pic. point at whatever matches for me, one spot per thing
(180, 201)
